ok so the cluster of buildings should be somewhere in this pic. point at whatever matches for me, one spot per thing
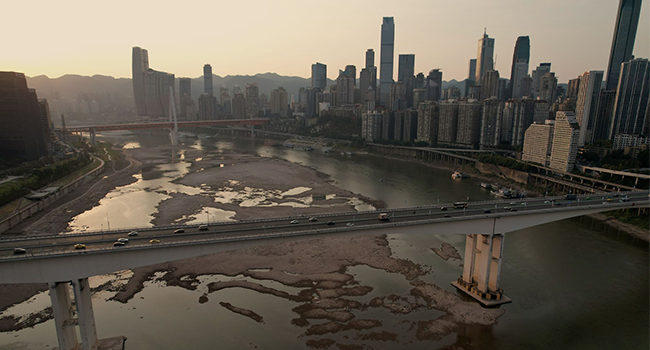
(25, 120)
(153, 89)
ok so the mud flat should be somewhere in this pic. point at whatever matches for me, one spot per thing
(447, 251)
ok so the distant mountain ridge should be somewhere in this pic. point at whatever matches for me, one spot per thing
(69, 86)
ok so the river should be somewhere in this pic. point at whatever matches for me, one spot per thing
(572, 286)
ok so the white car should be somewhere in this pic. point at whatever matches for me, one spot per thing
(313, 218)
(123, 240)
(349, 224)
(203, 227)
(133, 233)
(294, 221)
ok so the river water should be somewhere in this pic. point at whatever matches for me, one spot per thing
(572, 286)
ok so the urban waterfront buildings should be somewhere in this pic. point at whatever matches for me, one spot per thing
(386, 59)
(632, 99)
(279, 101)
(565, 142)
(345, 87)
(538, 143)
(25, 131)
(627, 20)
(151, 88)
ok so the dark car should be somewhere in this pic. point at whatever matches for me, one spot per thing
(447, 216)
(443, 208)
(331, 223)
(20, 250)
(487, 211)
(180, 230)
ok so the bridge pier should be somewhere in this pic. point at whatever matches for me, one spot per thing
(93, 139)
(482, 269)
(64, 315)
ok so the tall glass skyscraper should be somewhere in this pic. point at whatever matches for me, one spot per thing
(207, 79)
(632, 99)
(519, 70)
(484, 57)
(386, 60)
(627, 21)
(319, 76)
(150, 87)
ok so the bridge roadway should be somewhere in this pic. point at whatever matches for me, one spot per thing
(104, 240)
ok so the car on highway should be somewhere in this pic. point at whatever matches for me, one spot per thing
(154, 241)
(20, 250)
(443, 208)
(557, 204)
(180, 230)
(203, 227)
(349, 224)
(513, 203)
(487, 211)
(546, 202)
(447, 216)
(123, 240)
(330, 223)
(79, 246)
(313, 218)
(133, 233)
(513, 209)
(119, 244)
(507, 208)
(293, 222)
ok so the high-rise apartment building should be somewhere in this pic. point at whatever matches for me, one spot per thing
(371, 125)
(538, 73)
(587, 104)
(238, 106)
(627, 20)
(397, 96)
(207, 80)
(573, 87)
(491, 123)
(548, 87)
(279, 102)
(471, 76)
(631, 104)
(434, 85)
(150, 87)
(518, 115)
(352, 69)
(368, 81)
(428, 116)
(490, 85)
(252, 101)
(318, 75)
(345, 88)
(406, 74)
(185, 99)
(484, 57)
(448, 122)
(207, 107)
(25, 131)
(604, 114)
(469, 123)
(184, 87)
(386, 59)
(519, 69)
(518, 87)
(565, 142)
(224, 100)
(538, 143)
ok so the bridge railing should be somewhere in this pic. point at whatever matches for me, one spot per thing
(216, 239)
(289, 218)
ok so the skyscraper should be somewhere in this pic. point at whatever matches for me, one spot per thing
(252, 101)
(25, 131)
(352, 69)
(627, 20)
(345, 88)
(631, 103)
(490, 85)
(434, 85)
(207, 79)
(538, 73)
(519, 69)
(484, 57)
(279, 101)
(386, 59)
(318, 75)
(538, 143)
(406, 74)
(587, 104)
(184, 87)
(548, 87)
(150, 87)
(517, 88)
(370, 58)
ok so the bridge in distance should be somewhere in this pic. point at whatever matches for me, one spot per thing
(54, 259)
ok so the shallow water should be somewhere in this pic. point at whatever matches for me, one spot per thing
(572, 286)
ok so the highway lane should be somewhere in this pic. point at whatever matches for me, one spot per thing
(92, 240)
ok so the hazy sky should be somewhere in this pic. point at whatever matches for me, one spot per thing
(286, 36)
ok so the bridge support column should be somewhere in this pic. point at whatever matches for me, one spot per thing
(64, 316)
(93, 139)
(482, 269)
(85, 314)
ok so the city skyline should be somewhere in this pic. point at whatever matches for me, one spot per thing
(427, 29)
